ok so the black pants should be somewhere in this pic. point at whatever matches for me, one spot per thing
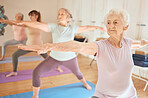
(19, 53)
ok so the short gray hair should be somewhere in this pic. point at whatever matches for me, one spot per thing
(21, 15)
(69, 15)
(124, 16)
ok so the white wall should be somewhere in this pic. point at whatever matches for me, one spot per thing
(47, 8)
(85, 12)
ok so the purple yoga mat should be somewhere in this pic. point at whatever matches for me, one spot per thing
(27, 74)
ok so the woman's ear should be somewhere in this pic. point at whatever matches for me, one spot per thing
(125, 28)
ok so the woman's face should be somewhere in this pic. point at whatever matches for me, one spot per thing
(17, 17)
(33, 17)
(114, 25)
(62, 15)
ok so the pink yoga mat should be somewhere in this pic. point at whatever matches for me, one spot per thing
(27, 74)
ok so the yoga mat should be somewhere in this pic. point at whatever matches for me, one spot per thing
(75, 90)
(27, 74)
(23, 59)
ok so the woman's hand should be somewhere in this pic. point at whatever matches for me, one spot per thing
(20, 24)
(40, 49)
(139, 44)
(101, 28)
(1, 20)
(89, 28)
(144, 43)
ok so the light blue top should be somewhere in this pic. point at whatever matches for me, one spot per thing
(62, 34)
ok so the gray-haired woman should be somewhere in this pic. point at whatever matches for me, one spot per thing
(20, 36)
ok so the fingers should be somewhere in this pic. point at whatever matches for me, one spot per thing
(42, 51)
(1, 20)
(20, 24)
(22, 47)
(38, 49)
(25, 48)
(102, 29)
(143, 42)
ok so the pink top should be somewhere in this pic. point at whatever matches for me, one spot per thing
(19, 33)
(114, 70)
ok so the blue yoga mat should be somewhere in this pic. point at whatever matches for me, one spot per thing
(75, 90)
(23, 59)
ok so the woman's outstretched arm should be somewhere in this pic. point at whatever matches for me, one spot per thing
(139, 44)
(37, 25)
(10, 22)
(70, 46)
(89, 28)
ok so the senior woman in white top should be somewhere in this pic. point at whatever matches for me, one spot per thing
(114, 58)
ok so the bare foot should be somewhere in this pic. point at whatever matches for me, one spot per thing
(59, 69)
(88, 87)
(12, 74)
(35, 96)
(2, 59)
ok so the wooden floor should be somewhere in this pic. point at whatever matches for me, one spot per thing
(89, 72)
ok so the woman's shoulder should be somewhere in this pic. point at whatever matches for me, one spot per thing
(101, 42)
(72, 25)
(127, 39)
(52, 24)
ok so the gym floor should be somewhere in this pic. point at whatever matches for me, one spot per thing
(89, 72)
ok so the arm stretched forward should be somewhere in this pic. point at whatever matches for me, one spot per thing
(139, 44)
(37, 25)
(70, 46)
(89, 28)
(10, 22)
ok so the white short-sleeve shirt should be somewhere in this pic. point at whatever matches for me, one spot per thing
(114, 70)
(62, 34)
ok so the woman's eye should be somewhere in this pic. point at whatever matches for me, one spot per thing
(108, 23)
(115, 22)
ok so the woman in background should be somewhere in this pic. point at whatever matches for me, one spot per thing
(19, 35)
(33, 38)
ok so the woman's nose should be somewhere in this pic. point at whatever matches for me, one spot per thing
(111, 25)
(59, 16)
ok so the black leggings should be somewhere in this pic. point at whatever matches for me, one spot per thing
(19, 53)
